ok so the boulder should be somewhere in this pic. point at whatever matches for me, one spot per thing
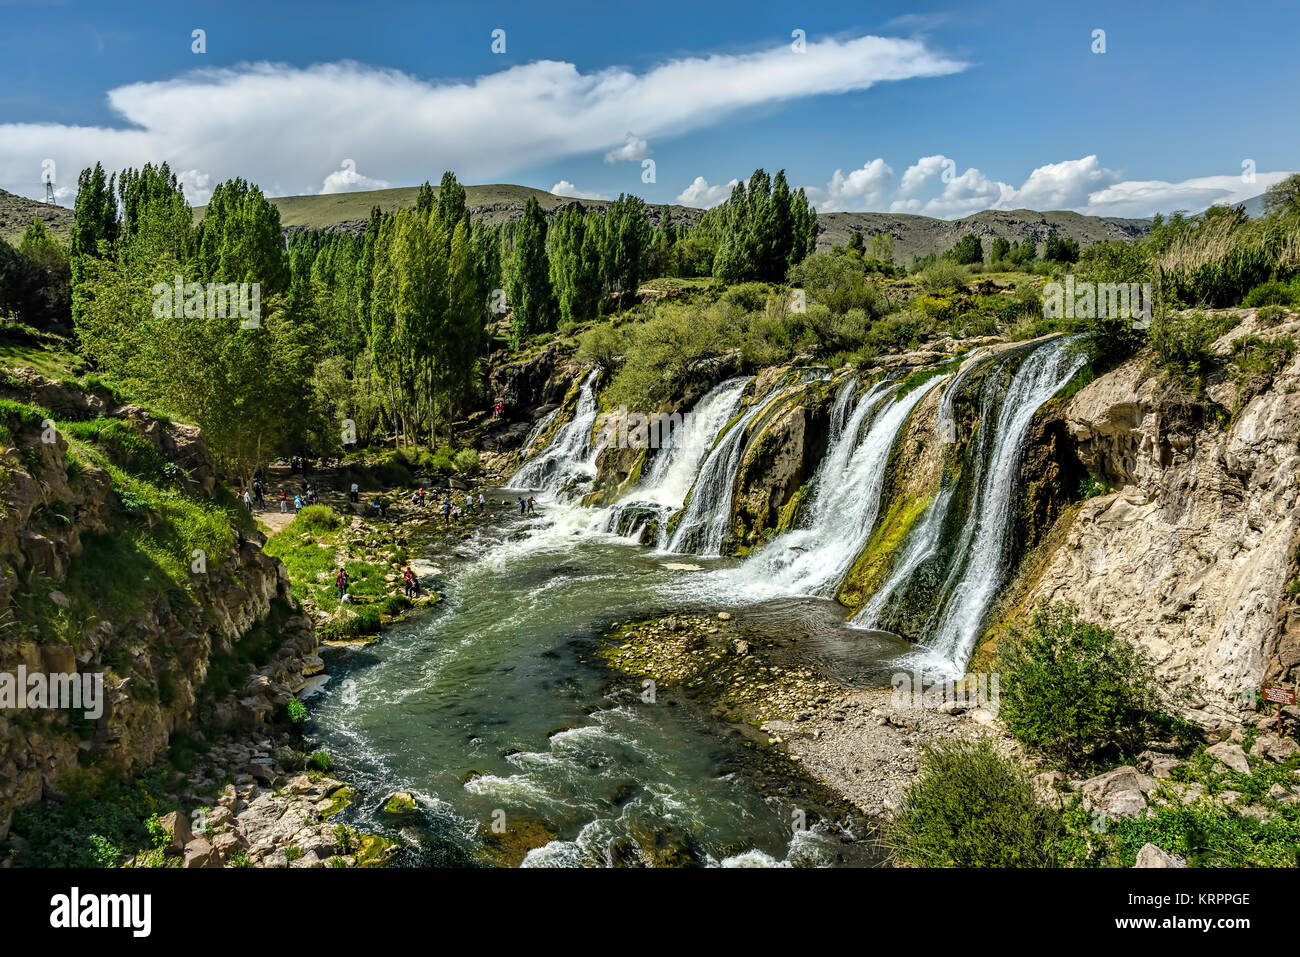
(1152, 856)
(1273, 748)
(1230, 754)
(1121, 792)
(178, 830)
(199, 853)
(1158, 764)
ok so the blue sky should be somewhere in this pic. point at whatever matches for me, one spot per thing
(993, 104)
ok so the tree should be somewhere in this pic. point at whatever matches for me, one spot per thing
(969, 250)
(856, 241)
(1061, 249)
(94, 226)
(1001, 249)
(623, 251)
(1283, 198)
(575, 263)
(528, 284)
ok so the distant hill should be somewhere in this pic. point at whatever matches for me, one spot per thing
(913, 235)
(498, 203)
(17, 213)
(921, 235)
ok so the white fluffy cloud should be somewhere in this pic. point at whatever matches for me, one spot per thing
(287, 128)
(932, 187)
(634, 149)
(565, 188)
(861, 188)
(703, 196)
(346, 179)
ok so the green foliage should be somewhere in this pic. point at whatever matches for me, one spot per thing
(527, 276)
(1073, 690)
(319, 761)
(296, 710)
(102, 820)
(315, 519)
(466, 460)
(941, 276)
(1182, 343)
(1271, 293)
(1091, 487)
(1061, 249)
(968, 250)
(759, 232)
(970, 807)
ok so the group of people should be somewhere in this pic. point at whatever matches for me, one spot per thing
(452, 511)
(527, 506)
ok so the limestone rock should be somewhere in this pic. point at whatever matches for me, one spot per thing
(1152, 856)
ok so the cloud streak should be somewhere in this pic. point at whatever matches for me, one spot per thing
(288, 128)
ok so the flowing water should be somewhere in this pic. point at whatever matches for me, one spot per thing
(493, 704)
(494, 707)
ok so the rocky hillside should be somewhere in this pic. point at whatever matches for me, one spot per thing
(124, 559)
(17, 213)
(924, 236)
(1192, 554)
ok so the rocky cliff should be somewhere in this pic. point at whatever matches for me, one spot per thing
(1191, 555)
(99, 503)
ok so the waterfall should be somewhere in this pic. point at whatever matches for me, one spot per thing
(813, 560)
(702, 528)
(537, 430)
(663, 487)
(570, 455)
(924, 541)
(979, 565)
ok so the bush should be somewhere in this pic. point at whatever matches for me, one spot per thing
(466, 460)
(1075, 691)
(318, 518)
(940, 277)
(296, 710)
(1271, 293)
(1182, 342)
(1270, 315)
(971, 807)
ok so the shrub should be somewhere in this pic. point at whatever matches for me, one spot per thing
(970, 807)
(940, 277)
(318, 518)
(1272, 293)
(319, 761)
(1270, 315)
(1182, 342)
(297, 711)
(1073, 690)
(466, 460)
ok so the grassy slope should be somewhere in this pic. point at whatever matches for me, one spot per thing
(17, 213)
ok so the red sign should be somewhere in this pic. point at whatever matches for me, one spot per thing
(1280, 695)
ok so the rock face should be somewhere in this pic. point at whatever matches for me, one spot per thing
(153, 659)
(1191, 557)
(782, 453)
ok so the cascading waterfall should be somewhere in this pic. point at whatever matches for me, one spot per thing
(702, 528)
(979, 565)
(664, 486)
(924, 542)
(542, 424)
(812, 560)
(571, 454)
